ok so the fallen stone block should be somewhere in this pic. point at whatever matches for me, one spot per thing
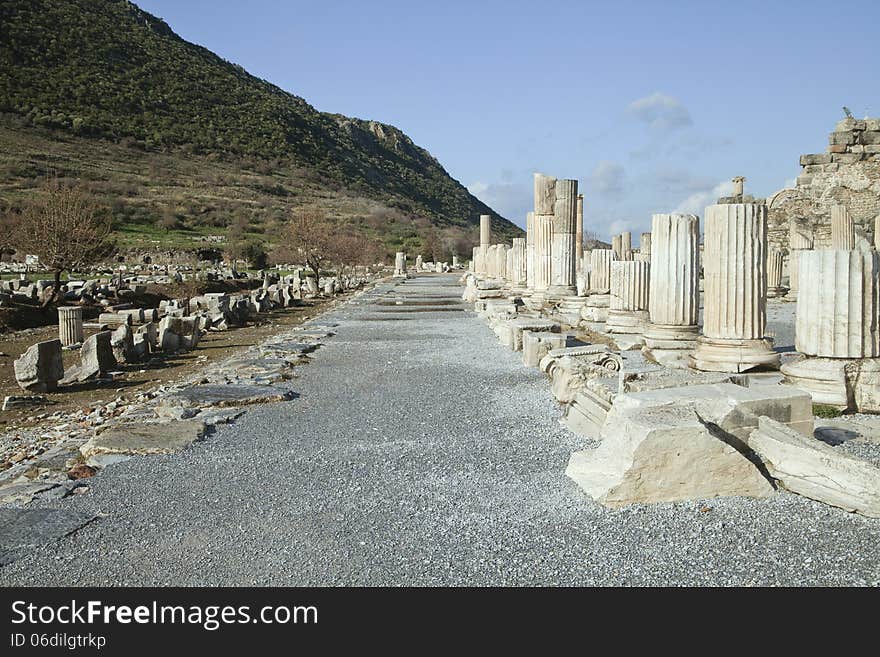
(96, 355)
(663, 454)
(811, 468)
(41, 367)
(155, 438)
(15, 401)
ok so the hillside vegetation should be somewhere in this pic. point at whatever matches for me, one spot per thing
(183, 144)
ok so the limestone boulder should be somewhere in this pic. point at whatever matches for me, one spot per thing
(663, 454)
(811, 468)
(41, 367)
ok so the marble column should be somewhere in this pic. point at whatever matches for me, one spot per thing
(799, 240)
(735, 270)
(543, 224)
(774, 274)
(475, 258)
(674, 304)
(628, 303)
(836, 326)
(644, 253)
(617, 246)
(518, 273)
(400, 264)
(485, 242)
(579, 234)
(419, 261)
(877, 232)
(843, 230)
(563, 249)
(626, 247)
(70, 325)
(595, 312)
(530, 250)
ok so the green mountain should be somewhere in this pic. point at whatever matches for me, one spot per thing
(89, 72)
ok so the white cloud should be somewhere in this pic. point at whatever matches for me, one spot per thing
(510, 200)
(697, 202)
(607, 178)
(660, 112)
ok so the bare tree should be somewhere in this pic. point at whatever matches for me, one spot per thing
(66, 229)
(310, 240)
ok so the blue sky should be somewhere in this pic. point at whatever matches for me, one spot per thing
(652, 106)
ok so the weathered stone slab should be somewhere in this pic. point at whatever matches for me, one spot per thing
(22, 530)
(227, 395)
(96, 355)
(155, 438)
(663, 454)
(809, 467)
(41, 367)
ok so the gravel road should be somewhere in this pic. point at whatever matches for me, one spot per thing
(421, 452)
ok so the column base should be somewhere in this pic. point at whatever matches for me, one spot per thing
(823, 378)
(595, 312)
(537, 300)
(776, 292)
(626, 327)
(569, 309)
(791, 295)
(561, 291)
(733, 355)
(670, 345)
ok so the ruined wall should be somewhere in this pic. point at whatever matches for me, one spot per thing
(848, 173)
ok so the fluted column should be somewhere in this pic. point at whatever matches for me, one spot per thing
(579, 233)
(877, 232)
(70, 325)
(798, 240)
(838, 305)
(843, 230)
(543, 224)
(563, 250)
(626, 246)
(501, 261)
(600, 270)
(475, 257)
(530, 250)
(735, 270)
(774, 273)
(837, 329)
(616, 246)
(674, 304)
(518, 275)
(628, 305)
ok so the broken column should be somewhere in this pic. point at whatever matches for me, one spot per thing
(595, 312)
(843, 230)
(545, 201)
(579, 232)
(617, 246)
(485, 242)
(674, 304)
(399, 266)
(530, 250)
(517, 274)
(644, 253)
(799, 240)
(836, 328)
(70, 325)
(41, 367)
(628, 302)
(626, 248)
(735, 270)
(774, 274)
(563, 250)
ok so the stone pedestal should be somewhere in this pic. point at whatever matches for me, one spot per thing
(70, 325)
(843, 230)
(774, 274)
(563, 249)
(735, 312)
(836, 326)
(628, 303)
(674, 301)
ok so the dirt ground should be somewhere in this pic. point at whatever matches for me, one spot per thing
(135, 378)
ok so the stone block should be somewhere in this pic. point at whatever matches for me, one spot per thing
(842, 138)
(41, 367)
(96, 355)
(811, 468)
(817, 158)
(156, 438)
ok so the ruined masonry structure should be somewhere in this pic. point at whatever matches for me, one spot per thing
(843, 230)
(774, 273)
(847, 174)
(674, 303)
(735, 306)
